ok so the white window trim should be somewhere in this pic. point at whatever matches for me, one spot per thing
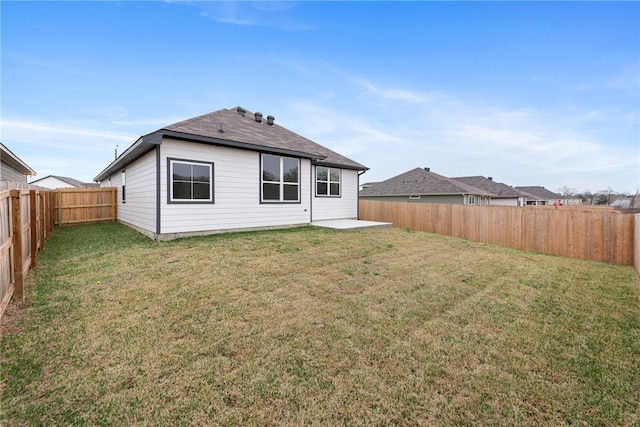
(414, 197)
(170, 197)
(328, 181)
(281, 182)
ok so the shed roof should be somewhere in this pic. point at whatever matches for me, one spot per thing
(239, 128)
(420, 181)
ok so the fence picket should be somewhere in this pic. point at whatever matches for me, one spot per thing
(590, 234)
(28, 214)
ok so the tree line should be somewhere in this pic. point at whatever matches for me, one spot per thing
(607, 197)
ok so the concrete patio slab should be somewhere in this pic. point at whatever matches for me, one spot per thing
(350, 224)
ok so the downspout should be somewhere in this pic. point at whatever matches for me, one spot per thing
(358, 195)
(311, 180)
(158, 216)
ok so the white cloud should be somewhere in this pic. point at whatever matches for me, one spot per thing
(391, 94)
(267, 14)
(39, 133)
(516, 144)
(627, 79)
(78, 151)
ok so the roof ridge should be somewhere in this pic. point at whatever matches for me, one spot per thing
(200, 117)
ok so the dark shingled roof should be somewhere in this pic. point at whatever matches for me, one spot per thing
(540, 192)
(421, 182)
(240, 125)
(497, 189)
(237, 128)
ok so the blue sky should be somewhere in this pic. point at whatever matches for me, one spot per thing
(529, 93)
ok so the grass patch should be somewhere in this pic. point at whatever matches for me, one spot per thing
(313, 326)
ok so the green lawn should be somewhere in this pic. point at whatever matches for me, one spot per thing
(319, 327)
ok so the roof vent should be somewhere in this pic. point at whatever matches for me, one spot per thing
(490, 178)
(270, 120)
(241, 111)
(258, 117)
(427, 169)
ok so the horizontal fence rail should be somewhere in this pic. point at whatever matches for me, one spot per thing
(25, 224)
(86, 205)
(28, 215)
(597, 235)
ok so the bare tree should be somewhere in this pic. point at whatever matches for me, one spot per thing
(587, 197)
(635, 199)
(567, 191)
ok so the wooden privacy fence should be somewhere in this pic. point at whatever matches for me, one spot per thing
(26, 221)
(27, 217)
(86, 205)
(573, 233)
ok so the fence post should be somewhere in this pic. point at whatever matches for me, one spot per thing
(33, 223)
(16, 212)
(42, 230)
(59, 206)
(52, 212)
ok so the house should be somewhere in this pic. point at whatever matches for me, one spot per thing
(537, 195)
(12, 168)
(501, 194)
(367, 185)
(229, 170)
(56, 181)
(420, 185)
(622, 202)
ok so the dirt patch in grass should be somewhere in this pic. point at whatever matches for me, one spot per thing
(312, 326)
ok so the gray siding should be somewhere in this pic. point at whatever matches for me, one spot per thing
(236, 193)
(8, 173)
(139, 209)
(344, 207)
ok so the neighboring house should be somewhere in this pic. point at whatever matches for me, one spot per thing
(367, 185)
(420, 185)
(537, 195)
(622, 202)
(12, 168)
(229, 170)
(56, 181)
(501, 194)
(571, 200)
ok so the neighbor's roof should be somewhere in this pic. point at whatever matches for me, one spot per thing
(497, 189)
(239, 128)
(540, 192)
(70, 181)
(420, 181)
(6, 156)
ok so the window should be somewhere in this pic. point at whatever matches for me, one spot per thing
(190, 182)
(327, 181)
(414, 197)
(124, 182)
(472, 200)
(280, 179)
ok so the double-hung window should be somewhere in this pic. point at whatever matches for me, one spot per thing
(327, 181)
(280, 179)
(190, 182)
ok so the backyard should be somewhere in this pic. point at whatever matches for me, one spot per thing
(319, 327)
